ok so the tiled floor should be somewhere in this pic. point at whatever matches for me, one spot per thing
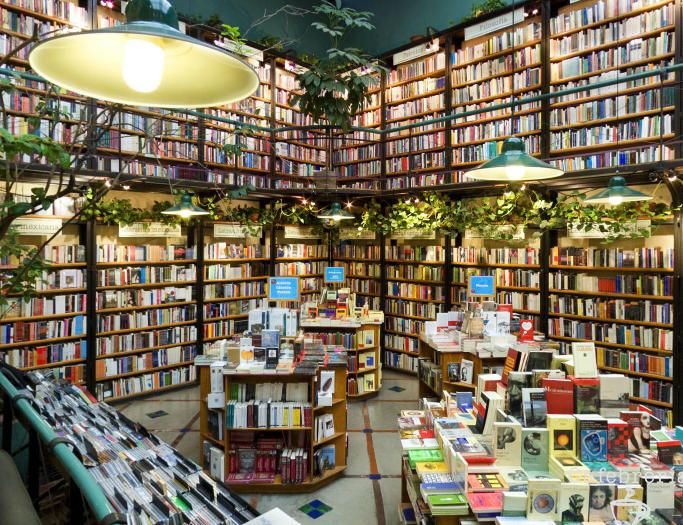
(369, 491)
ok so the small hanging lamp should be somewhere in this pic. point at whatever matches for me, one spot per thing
(185, 208)
(335, 213)
(617, 192)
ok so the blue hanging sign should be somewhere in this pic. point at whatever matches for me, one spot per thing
(283, 288)
(334, 274)
(481, 286)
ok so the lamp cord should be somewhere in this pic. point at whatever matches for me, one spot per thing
(514, 66)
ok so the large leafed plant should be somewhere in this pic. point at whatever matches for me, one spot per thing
(335, 87)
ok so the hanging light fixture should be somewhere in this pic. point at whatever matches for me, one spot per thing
(185, 208)
(335, 213)
(513, 164)
(617, 192)
(145, 62)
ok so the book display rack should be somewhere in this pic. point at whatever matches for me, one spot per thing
(362, 262)
(289, 446)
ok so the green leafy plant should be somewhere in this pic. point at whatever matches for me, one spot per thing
(332, 87)
(484, 7)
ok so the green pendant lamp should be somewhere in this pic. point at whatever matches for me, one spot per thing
(335, 213)
(513, 164)
(144, 62)
(185, 208)
(617, 192)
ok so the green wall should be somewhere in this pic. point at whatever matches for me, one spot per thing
(395, 20)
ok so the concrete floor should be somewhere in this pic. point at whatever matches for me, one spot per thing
(369, 491)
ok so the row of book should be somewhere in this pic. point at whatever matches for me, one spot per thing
(41, 355)
(406, 72)
(655, 258)
(654, 390)
(361, 384)
(399, 306)
(489, 150)
(145, 362)
(146, 382)
(471, 93)
(497, 128)
(137, 297)
(643, 127)
(371, 251)
(361, 362)
(613, 32)
(397, 342)
(363, 169)
(363, 286)
(415, 291)
(416, 272)
(226, 271)
(300, 268)
(483, 70)
(630, 361)
(243, 307)
(269, 391)
(658, 338)
(145, 319)
(520, 300)
(358, 154)
(398, 324)
(146, 275)
(593, 14)
(396, 94)
(415, 144)
(400, 361)
(22, 331)
(234, 290)
(646, 311)
(608, 159)
(627, 284)
(145, 253)
(266, 414)
(39, 306)
(415, 253)
(113, 344)
(225, 250)
(462, 254)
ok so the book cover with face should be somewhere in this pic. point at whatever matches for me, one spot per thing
(508, 443)
(535, 449)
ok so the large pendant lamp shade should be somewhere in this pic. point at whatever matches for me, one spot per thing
(617, 192)
(335, 213)
(144, 62)
(513, 164)
(185, 208)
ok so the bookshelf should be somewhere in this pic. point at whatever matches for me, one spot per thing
(299, 154)
(48, 332)
(139, 350)
(433, 371)
(416, 292)
(415, 91)
(625, 305)
(241, 445)
(618, 125)
(361, 341)
(516, 271)
(490, 70)
(362, 262)
(305, 257)
(235, 273)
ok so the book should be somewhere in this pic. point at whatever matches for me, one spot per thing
(614, 389)
(562, 435)
(639, 427)
(670, 452)
(586, 395)
(466, 371)
(508, 443)
(534, 407)
(573, 502)
(585, 364)
(559, 393)
(535, 449)
(599, 508)
(454, 372)
(592, 435)
(617, 438)
(517, 382)
(485, 482)
(543, 499)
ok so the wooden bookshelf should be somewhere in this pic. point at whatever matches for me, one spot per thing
(293, 437)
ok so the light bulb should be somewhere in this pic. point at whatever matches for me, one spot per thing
(615, 200)
(143, 65)
(185, 214)
(515, 172)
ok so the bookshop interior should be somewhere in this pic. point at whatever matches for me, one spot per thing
(341, 262)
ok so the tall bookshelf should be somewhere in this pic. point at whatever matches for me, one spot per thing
(305, 258)
(48, 332)
(146, 314)
(361, 259)
(617, 125)
(625, 305)
(516, 270)
(235, 273)
(299, 154)
(416, 90)
(490, 70)
(415, 293)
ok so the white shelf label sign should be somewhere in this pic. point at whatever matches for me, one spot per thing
(595, 233)
(36, 226)
(300, 232)
(353, 233)
(236, 231)
(150, 229)
(413, 234)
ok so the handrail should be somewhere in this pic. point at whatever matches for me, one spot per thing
(97, 502)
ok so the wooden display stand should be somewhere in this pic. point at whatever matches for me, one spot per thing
(358, 328)
(337, 409)
(429, 352)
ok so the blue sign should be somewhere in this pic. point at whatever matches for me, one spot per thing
(283, 288)
(334, 274)
(482, 286)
